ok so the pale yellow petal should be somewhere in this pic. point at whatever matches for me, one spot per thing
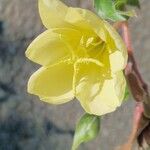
(120, 85)
(52, 13)
(116, 37)
(97, 93)
(117, 61)
(53, 84)
(110, 97)
(53, 46)
(117, 53)
(79, 65)
(116, 43)
(113, 61)
(89, 21)
(55, 13)
(88, 81)
(86, 20)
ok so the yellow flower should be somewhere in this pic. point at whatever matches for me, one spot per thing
(81, 55)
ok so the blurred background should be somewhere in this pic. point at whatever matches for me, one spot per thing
(26, 123)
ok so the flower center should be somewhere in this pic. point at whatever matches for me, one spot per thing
(90, 46)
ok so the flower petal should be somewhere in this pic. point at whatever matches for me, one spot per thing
(98, 94)
(53, 84)
(110, 97)
(88, 81)
(116, 37)
(86, 19)
(53, 46)
(112, 60)
(52, 13)
(116, 44)
(117, 61)
(117, 49)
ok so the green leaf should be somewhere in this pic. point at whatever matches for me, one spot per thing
(119, 4)
(106, 9)
(114, 9)
(87, 129)
(127, 94)
(134, 3)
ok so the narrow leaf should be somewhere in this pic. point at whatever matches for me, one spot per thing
(127, 94)
(87, 129)
(134, 3)
(119, 4)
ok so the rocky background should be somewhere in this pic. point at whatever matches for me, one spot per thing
(29, 124)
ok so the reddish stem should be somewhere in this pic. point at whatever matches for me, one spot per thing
(136, 121)
(126, 36)
(137, 85)
(127, 39)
